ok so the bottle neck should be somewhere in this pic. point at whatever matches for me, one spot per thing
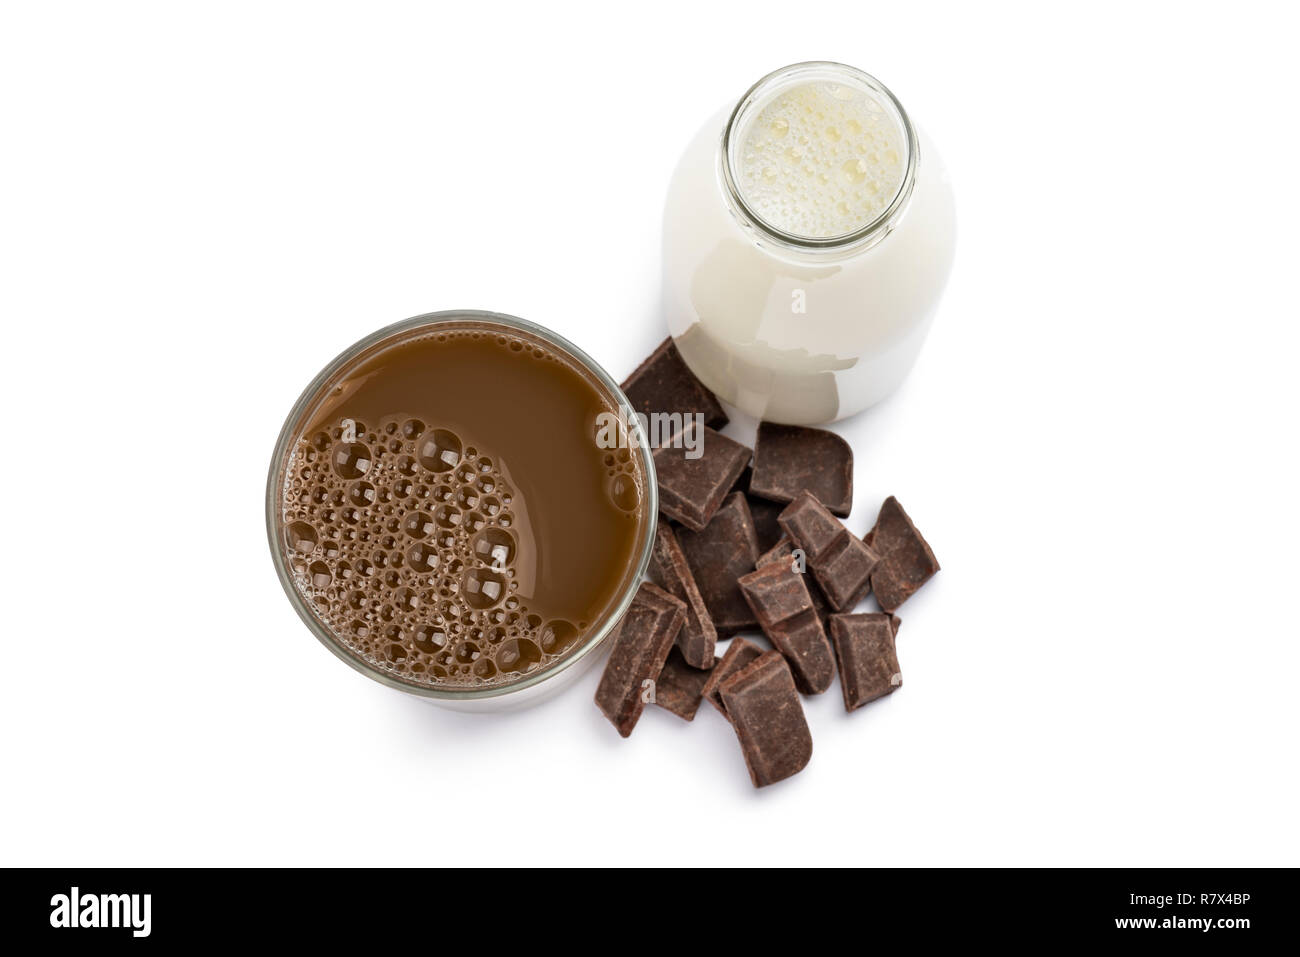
(840, 81)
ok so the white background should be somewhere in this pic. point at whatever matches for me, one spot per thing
(202, 204)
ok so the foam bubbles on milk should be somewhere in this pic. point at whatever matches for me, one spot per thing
(821, 160)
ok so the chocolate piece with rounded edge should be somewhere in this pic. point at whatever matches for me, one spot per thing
(767, 714)
(692, 489)
(868, 659)
(906, 561)
(640, 647)
(785, 609)
(739, 653)
(789, 459)
(680, 688)
(840, 561)
(718, 554)
(664, 384)
(669, 570)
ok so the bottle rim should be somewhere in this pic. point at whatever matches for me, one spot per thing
(758, 96)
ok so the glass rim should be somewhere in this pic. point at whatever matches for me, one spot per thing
(289, 434)
(870, 233)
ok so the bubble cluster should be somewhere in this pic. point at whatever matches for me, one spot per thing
(821, 160)
(622, 481)
(400, 534)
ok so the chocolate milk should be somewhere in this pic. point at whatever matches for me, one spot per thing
(449, 514)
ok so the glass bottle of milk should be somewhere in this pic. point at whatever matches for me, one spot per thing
(808, 235)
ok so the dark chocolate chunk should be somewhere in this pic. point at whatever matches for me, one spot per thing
(640, 648)
(810, 526)
(767, 714)
(680, 688)
(691, 489)
(791, 458)
(763, 511)
(783, 551)
(766, 526)
(664, 384)
(738, 654)
(718, 554)
(844, 572)
(840, 561)
(864, 646)
(906, 561)
(668, 570)
(785, 609)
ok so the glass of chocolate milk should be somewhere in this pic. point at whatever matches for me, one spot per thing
(460, 506)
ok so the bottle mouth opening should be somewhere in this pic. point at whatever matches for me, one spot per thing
(835, 77)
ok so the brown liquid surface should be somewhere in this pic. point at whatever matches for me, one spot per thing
(448, 513)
